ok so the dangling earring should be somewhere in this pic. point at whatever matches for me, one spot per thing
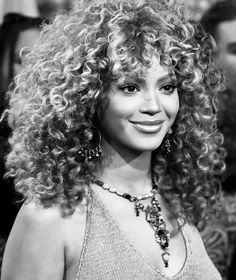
(93, 150)
(167, 141)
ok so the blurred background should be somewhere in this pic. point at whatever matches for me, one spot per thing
(33, 8)
(20, 24)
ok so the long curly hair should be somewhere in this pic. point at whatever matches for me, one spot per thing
(65, 81)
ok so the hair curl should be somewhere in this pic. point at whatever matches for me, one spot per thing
(66, 79)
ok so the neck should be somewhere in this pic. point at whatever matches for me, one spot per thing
(126, 170)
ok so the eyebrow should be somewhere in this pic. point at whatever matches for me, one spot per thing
(160, 80)
(167, 77)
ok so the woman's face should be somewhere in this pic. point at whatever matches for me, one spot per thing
(140, 110)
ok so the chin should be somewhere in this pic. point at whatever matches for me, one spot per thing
(147, 146)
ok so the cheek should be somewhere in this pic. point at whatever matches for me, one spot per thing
(171, 107)
(115, 116)
(121, 108)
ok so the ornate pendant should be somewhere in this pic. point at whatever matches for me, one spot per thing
(162, 235)
(155, 220)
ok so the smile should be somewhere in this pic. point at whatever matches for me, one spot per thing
(148, 127)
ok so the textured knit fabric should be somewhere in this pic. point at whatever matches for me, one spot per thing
(108, 255)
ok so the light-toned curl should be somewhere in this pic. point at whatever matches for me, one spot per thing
(64, 84)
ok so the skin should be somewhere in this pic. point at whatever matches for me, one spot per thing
(43, 245)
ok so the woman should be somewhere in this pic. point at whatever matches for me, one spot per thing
(115, 146)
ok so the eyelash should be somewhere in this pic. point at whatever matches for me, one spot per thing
(125, 87)
(167, 91)
(173, 87)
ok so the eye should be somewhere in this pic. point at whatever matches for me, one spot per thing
(169, 88)
(129, 89)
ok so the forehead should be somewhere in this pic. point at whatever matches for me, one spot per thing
(226, 31)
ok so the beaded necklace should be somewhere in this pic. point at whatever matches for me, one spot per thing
(152, 213)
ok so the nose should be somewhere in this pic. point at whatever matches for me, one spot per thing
(151, 103)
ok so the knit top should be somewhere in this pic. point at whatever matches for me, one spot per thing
(108, 255)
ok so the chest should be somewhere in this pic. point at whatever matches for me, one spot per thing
(123, 247)
(137, 233)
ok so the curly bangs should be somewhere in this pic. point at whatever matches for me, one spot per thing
(67, 76)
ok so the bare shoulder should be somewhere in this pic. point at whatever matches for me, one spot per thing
(41, 243)
(33, 216)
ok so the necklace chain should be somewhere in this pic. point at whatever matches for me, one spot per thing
(152, 212)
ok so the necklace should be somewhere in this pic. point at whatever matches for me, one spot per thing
(152, 213)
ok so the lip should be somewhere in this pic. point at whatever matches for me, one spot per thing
(156, 122)
(148, 126)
